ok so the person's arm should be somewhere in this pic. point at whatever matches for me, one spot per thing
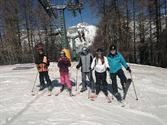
(59, 62)
(106, 63)
(93, 64)
(79, 64)
(68, 62)
(123, 62)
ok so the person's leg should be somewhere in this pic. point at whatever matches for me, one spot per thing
(98, 82)
(90, 77)
(67, 80)
(104, 83)
(114, 82)
(123, 78)
(42, 82)
(83, 82)
(49, 83)
(62, 81)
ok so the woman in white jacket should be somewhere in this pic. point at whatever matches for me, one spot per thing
(100, 65)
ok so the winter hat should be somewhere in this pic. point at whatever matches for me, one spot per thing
(99, 51)
(113, 47)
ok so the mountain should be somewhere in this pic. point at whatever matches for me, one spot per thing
(80, 31)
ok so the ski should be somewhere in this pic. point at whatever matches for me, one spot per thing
(92, 97)
(49, 93)
(127, 85)
(57, 94)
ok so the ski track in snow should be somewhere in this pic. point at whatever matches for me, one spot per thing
(18, 106)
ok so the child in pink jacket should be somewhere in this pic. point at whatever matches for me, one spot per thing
(63, 64)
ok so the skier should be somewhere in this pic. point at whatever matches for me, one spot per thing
(63, 64)
(42, 63)
(116, 60)
(100, 64)
(85, 61)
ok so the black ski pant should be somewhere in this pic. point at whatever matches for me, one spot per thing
(101, 83)
(123, 80)
(44, 76)
(90, 77)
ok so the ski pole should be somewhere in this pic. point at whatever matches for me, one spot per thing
(88, 93)
(133, 86)
(76, 89)
(34, 82)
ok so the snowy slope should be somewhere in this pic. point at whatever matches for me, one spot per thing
(18, 107)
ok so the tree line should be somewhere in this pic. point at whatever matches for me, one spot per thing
(137, 27)
(23, 24)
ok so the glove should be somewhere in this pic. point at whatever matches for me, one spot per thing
(90, 69)
(128, 68)
(38, 67)
(108, 69)
(77, 66)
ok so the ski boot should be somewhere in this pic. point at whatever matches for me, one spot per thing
(70, 92)
(62, 88)
(84, 88)
(118, 96)
(42, 87)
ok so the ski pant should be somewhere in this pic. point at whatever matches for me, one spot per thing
(90, 77)
(44, 76)
(101, 83)
(64, 79)
(123, 80)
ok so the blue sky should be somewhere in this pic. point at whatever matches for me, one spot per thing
(87, 15)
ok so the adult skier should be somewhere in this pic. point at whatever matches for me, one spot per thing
(42, 63)
(100, 64)
(85, 61)
(116, 60)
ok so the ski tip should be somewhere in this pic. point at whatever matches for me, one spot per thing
(109, 101)
(33, 93)
(123, 106)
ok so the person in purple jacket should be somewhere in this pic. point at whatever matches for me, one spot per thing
(63, 64)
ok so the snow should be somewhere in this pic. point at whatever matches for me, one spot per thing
(19, 107)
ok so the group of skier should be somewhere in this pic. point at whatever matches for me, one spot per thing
(102, 64)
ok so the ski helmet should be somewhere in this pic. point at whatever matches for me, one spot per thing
(62, 53)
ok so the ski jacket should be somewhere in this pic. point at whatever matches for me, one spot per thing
(42, 63)
(63, 64)
(115, 62)
(98, 66)
(85, 61)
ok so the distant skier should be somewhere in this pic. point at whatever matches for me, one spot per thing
(85, 61)
(100, 64)
(116, 60)
(42, 63)
(63, 64)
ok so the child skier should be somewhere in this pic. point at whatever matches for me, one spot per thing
(63, 64)
(100, 64)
